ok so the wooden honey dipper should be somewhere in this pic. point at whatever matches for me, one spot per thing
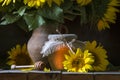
(38, 65)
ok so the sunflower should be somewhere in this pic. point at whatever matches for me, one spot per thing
(6, 2)
(109, 15)
(19, 56)
(58, 2)
(79, 61)
(101, 62)
(34, 3)
(83, 2)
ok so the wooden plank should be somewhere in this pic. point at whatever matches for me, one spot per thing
(57, 75)
(107, 75)
(40, 75)
(12, 75)
(76, 76)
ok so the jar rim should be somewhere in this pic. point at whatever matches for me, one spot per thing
(56, 36)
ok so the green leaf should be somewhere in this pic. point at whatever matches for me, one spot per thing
(9, 19)
(71, 11)
(69, 17)
(21, 11)
(83, 15)
(111, 67)
(53, 13)
(21, 23)
(67, 5)
(33, 20)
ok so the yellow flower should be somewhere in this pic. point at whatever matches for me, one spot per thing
(34, 3)
(46, 69)
(102, 24)
(6, 2)
(83, 2)
(109, 15)
(101, 62)
(19, 56)
(79, 61)
(58, 2)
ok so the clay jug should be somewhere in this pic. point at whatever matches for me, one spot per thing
(37, 41)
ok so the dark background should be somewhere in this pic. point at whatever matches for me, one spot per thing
(11, 35)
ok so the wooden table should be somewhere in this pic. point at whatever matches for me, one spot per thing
(57, 75)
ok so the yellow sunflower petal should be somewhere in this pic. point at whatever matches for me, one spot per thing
(49, 2)
(19, 56)
(47, 69)
(109, 15)
(34, 3)
(1, 0)
(78, 51)
(88, 67)
(76, 62)
(58, 2)
(100, 56)
(24, 48)
(89, 61)
(83, 2)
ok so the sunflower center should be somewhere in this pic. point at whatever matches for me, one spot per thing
(76, 62)
(23, 59)
(97, 60)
